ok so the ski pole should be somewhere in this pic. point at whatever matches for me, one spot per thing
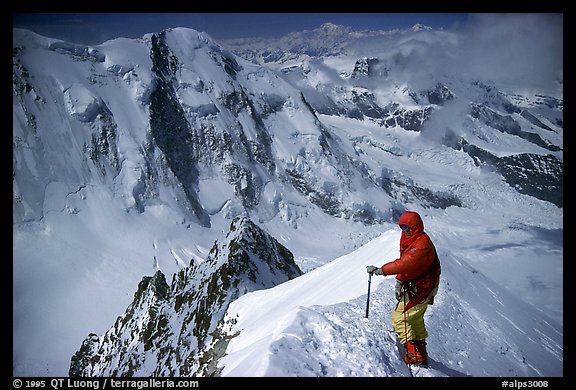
(368, 297)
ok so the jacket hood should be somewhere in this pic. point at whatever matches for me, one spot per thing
(412, 219)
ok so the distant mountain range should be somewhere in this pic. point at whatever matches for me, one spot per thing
(205, 115)
(374, 89)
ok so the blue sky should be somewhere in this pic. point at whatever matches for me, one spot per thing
(95, 28)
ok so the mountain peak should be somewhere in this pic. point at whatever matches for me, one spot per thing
(419, 27)
(254, 253)
(183, 319)
(334, 28)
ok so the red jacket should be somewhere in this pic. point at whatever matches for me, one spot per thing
(418, 262)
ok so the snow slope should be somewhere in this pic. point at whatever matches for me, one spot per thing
(315, 325)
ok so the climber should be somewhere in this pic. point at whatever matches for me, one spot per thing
(417, 277)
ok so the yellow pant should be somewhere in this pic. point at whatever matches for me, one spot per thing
(410, 325)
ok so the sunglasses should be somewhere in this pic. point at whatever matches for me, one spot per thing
(405, 227)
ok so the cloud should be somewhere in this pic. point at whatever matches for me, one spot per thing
(509, 49)
(514, 49)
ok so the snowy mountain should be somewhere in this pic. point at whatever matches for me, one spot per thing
(173, 330)
(379, 77)
(132, 158)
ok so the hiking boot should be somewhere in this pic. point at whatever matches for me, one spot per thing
(421, 346)
(416, 352)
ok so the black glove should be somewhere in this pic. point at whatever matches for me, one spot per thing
(399, 290)
(372, 270)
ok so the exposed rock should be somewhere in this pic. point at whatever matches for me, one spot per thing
(177, 330)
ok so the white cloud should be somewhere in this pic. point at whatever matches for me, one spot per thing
(513, 49)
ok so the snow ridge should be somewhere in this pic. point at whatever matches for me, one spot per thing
(174, 330)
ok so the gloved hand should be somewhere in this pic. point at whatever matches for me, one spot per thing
(372, 270)
(399, 290)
